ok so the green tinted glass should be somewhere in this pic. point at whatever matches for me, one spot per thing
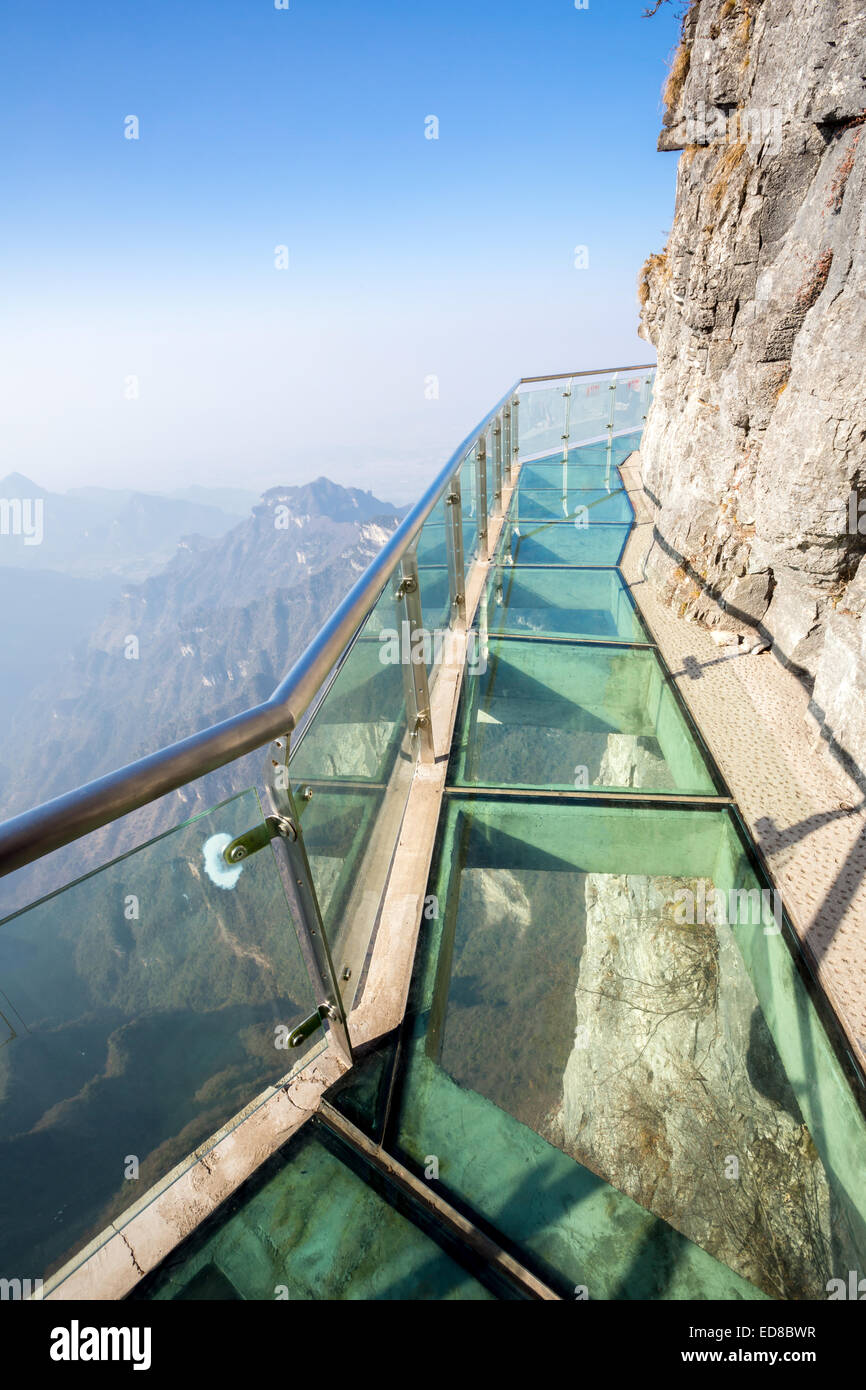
(561, 603)
(576, 505)
(308, 1228)
(351, 774)
(141, 1009)
(565, 716)
(563, 543)
(602, 1012)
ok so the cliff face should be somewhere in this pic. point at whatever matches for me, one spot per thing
(754, 448)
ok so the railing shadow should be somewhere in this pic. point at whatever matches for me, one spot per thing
(828, 917)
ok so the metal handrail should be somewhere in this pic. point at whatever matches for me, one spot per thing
(599, 371)
(33, 834)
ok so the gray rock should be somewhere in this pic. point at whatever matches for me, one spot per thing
(673, 1074)
(748, 597)
(756, 437)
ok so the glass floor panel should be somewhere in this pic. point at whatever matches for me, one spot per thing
(561, 603)
(576, 472)
(615, 1061)
(564, 543)
(593, 458)
(308, 1227)
(563, 715)
(577, 505)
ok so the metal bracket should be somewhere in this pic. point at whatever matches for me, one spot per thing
(242, 846)
(324, 1013)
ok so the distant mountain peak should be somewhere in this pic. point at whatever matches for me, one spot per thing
(325, 498)
(16, 485)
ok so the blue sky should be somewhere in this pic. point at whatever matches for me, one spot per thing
(152, 341)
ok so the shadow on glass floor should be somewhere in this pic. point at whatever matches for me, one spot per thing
(314, 1223)
(564, 715)
(542, 602)
(615, 1064)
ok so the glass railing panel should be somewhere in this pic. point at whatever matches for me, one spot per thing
(648, 382)
(542, 418)
(435, 585)
(609, 1048)
(435, 599)
(623, 445)
(431, 546)
(561, 603)
(565, 716)
(585, 467)
(141, 1009)
(563, 543)
(630, 401)
(351, 772)
(469, 503)
(589, 408)
(491, 472)
(579, 506)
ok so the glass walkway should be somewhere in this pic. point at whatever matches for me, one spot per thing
(615, 1078)
(611, 1065)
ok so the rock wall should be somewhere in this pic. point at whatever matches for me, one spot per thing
(754, 448)
(673, 1075)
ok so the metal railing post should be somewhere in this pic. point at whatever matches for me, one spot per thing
(481, 492)
(506, 440)
(294, 870)
(515, 437)
(566, 396)
(454, 546)
(610, 424)
(497, 465)
(417, 689)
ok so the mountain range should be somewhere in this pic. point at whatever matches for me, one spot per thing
(211, 632)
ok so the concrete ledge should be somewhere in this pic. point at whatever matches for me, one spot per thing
(804, 811)
(132, 1246)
